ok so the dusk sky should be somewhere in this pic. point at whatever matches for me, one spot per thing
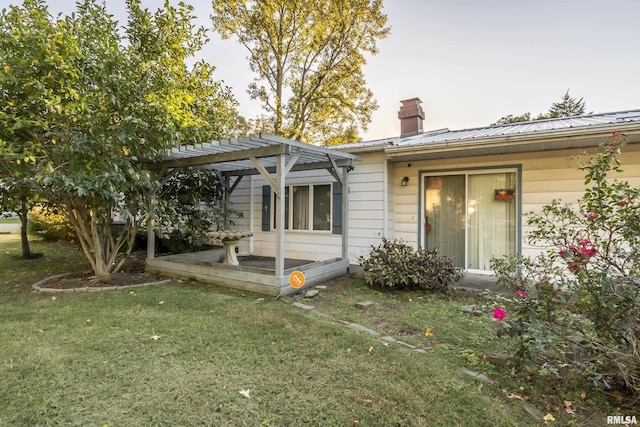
(472, 62)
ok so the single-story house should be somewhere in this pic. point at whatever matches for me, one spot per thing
(462, 192)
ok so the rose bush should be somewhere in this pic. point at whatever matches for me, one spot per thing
(578, 301)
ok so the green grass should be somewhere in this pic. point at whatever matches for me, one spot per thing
(89, 359)
(9, 221)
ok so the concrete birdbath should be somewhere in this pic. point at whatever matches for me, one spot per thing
(229, 239)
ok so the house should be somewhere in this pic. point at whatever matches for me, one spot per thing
(462, 192)
(311, 211)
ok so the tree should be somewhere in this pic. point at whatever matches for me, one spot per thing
(84, 103)
(190, 203)
(19, 196)
(512, 119)
(308, 56)
(566, 107)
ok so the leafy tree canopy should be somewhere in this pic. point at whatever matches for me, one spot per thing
(81, 102)
(567, 106)
(308, 56)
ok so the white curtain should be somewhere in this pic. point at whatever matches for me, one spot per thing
(301, 207)
(491, 223)
(445, 216)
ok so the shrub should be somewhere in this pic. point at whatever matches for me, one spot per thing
(579, 301)
(189, 204)
(49, 224)
(397, 265)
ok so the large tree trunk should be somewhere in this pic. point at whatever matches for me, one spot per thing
(94, 232)
(26, 250)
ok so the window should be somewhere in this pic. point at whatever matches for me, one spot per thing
(307, 207)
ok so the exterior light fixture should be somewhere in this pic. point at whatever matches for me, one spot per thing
(405, 181)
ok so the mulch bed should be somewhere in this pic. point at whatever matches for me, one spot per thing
(131, 273)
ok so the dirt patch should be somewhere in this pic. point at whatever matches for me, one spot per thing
(396, 328)
(132, 273)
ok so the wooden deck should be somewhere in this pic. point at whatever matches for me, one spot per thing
(254, 274)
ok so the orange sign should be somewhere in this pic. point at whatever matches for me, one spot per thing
(296, 279)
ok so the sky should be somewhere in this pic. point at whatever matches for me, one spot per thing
(471, 62)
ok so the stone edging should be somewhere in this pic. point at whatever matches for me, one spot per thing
(38, 285)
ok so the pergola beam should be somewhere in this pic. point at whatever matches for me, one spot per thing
(266, 175)
(340, 163)
(228, 156)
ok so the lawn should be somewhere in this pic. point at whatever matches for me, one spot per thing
(182, 353)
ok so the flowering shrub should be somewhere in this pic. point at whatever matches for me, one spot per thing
(577, 255)
(499, 313)
(397, 265)
(49, 224)
(579, 302)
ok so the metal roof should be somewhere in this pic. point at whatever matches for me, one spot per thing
(232, 157)
(535, 127)
(565, 132)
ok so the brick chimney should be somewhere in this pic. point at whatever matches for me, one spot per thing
(411, 116)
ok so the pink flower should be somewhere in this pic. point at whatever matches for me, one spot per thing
(499, 314)
(522, 293)
(623, 202)
(588, 252)
(591, 215)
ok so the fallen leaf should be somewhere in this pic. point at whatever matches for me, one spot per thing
(548, 417)
(428, 332)
(264, 423)
(479, 387)
(155, 337)
(583, 395)
(161, 302)
(354, 422)
(569, 411)
(514, 396)
(567, 403)
(89, 320)
(370, 349)
(245, 393)
(53, 298)
(386, 344)
(366, 401)
(617, 395)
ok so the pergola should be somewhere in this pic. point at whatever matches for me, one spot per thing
(269, 156)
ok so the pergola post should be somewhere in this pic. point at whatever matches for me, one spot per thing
(227, 191)
(280, 209)
(345, 213)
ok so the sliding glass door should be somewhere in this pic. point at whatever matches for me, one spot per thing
(470, 217)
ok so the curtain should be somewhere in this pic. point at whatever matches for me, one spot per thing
(301, 207)
(445, 216)
(491, 222)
